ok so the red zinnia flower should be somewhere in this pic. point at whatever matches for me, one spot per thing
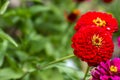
(72, 17)
(99, 19)
(92, 44)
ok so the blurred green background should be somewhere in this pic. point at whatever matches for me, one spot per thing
(42, 31)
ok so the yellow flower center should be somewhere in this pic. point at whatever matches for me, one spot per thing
(99, 22)
(97, 40)
(113, 68)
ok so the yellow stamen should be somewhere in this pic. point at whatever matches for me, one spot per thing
(97, 40)
(99, 22)
(113, 68)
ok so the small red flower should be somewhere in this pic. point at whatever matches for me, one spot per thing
(72, 17)
(99, 19)
(107, 1)
(92, 44)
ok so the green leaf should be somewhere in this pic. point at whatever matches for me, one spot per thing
(49, 48)
(3, 47)
(50, 74)
(8, 73)
(1, 59)
(28, 67)
(69, 72)
(37, 44)
(7, 37)
(35, 0)
(4, 7)
(37, 9)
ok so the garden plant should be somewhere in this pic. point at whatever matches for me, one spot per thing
(59, 40)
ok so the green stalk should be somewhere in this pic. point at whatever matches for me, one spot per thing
(86, 73)
(59, 60)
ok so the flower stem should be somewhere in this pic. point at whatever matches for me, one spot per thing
(86, 73)
(59, 60)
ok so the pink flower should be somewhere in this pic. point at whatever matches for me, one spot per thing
(109, 70)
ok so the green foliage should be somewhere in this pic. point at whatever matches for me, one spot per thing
(3, 6)
(7, 37)
(8, 73)
(35, 33)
